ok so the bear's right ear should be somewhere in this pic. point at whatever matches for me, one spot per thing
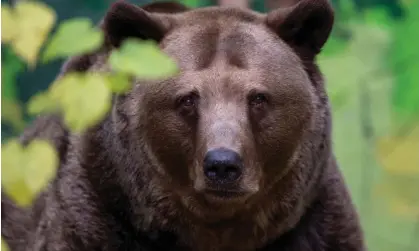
(125, 20)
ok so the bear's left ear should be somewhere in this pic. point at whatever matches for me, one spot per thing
(125, 20)
(306, 26)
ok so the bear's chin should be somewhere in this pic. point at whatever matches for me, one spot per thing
(214, 206)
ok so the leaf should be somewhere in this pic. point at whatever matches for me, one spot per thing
(8, 29)
(4, 246)
(73, 37)
(11, 66)
(26, 170)
(12, 173)
(118, 83)
(42, 103)
(31, 22)
(143, 59)
(41, 165)
(11, 113)
(84, 98)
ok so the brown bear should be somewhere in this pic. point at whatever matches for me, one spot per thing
(233, 153)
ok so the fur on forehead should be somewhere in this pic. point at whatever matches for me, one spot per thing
(305, 26)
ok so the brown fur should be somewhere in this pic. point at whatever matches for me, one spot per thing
(135, 181)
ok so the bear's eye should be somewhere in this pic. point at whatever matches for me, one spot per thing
(187, 101)
(257, 99)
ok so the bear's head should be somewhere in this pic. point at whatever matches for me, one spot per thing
(235, 121)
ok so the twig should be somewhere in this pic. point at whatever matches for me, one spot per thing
(368, 135)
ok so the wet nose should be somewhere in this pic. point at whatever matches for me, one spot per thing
(222, 165)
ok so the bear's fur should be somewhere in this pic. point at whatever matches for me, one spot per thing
(249, 83)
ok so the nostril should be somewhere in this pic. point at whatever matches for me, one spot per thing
(211, 172)
(222, 165)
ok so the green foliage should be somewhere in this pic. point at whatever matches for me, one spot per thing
(191, 3)
(9, 72)
(11, 110)
(62, 44)
(377, 16)
(128, 60)
(333, 46)
(405, 64)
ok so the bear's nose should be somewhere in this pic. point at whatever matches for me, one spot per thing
(222, 165)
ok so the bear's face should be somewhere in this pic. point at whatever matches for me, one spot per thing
(225, 129)
(229, 122)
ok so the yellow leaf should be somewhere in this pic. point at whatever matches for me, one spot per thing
(4, 246)
(64, 44)
(83, 97)
(32, 22)
(8, 28)
(143, 59)
(41, 103)
(26, 170)
(118, 82)
(12, 173)
(41, 165)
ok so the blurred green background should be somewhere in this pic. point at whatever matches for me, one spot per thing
(371, 64)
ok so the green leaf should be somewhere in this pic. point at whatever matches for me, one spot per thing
(84, 98)
(73, 37)
(11, 66)
(41, 165)
(119, 83)
(42, 103)
(143, 59)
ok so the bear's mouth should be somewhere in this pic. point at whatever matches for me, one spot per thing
(224, 194)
